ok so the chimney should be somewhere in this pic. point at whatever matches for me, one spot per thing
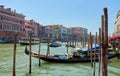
(1, 6)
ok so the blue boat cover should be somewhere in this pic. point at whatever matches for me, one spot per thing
(63, 57)
(93, 48)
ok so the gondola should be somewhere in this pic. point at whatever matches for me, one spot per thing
(25, 41)
(67, 58)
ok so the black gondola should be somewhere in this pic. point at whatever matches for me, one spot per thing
(67, 58)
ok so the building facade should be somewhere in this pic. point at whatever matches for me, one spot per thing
(70, 35)
(117, 25)
(59, 32)
(10, 23)
(62, 33)
(33, 27)
(49, 32)
(79, 34)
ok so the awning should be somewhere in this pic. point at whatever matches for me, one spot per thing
(113, 38)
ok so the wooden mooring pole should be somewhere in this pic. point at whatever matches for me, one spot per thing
(102, 43)
(67, 47)
(88, 52)
(95, 55)
(106, 40)
(14, 56)
(48, 47)
(105, 45)
(99, 68)
(30, 60)
(91, 40)
(39, 51)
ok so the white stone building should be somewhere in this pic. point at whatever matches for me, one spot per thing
(117, 25)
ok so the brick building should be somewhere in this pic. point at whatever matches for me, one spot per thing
(10, 23)
(34, 27)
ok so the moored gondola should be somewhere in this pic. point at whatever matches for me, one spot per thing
(67, 58)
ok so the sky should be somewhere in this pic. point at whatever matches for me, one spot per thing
(70, 13)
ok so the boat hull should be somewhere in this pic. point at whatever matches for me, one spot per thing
(54, 45)
(73, 60)
(58, 59)
(23, 43)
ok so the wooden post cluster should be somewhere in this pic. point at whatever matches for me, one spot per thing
(105, 43)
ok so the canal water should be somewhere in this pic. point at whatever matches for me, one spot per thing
(47, 69)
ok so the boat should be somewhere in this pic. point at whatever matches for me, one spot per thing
(44, 40)
(26, 41)
(55, 44)
(2, 41)
(33, 54)
(79, 57)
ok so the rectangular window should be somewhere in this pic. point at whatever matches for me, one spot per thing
(0, 17)
(6, 27)
(0, 26)
(15, 28)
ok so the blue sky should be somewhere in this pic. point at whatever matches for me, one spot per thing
(83, 13)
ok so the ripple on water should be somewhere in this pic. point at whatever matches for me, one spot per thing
(46, 69)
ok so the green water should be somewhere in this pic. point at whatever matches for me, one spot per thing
(47, 69)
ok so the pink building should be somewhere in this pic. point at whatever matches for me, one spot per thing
(32, 26)
(78, 31)
(10, 23)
